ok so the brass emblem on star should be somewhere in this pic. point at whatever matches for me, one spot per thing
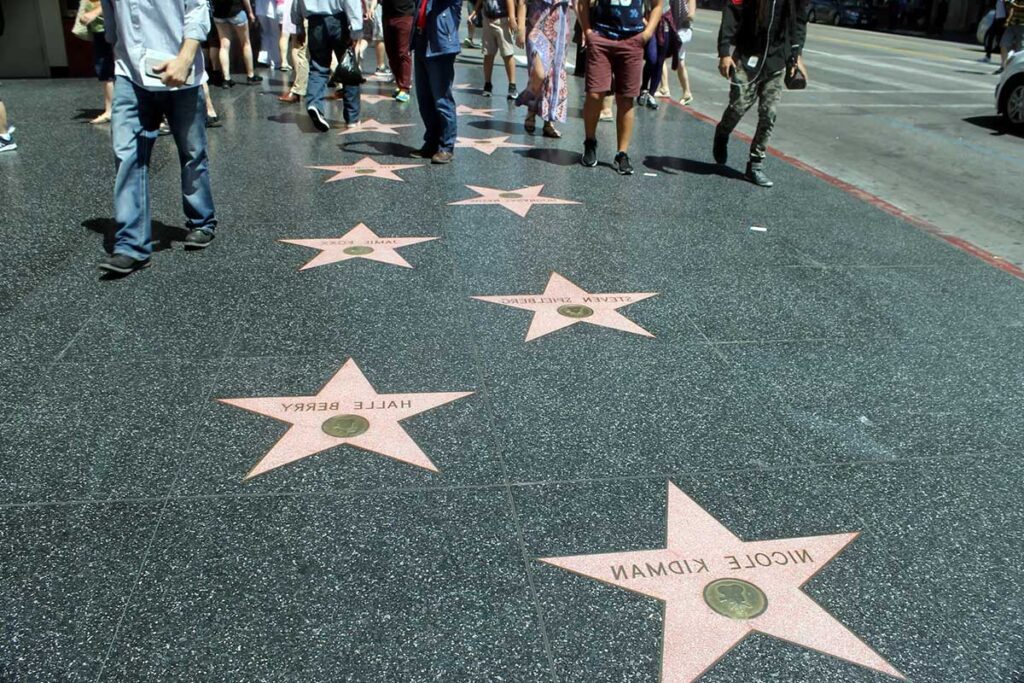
(735, 598)
(510, 195)
(358, 251)
(345, 426)
(576, 311)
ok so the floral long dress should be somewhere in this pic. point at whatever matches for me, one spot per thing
(547, 36)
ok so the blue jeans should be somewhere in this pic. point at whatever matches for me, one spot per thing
(136, 115)
(434, 77)
(328, 34)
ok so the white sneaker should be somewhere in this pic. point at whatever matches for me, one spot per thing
(7, 143)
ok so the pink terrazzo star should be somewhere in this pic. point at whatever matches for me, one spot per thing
(365, 168)
(488, 145)
(518, 201)
(347, 410)
(375, 99)
(359, 242)
(718, 590)
(563, 304)
(374, 126)
(463, 110)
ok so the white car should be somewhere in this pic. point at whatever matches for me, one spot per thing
(1010, 91)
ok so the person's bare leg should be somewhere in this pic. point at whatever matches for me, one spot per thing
(223, 32)
(684, 81)
(211, 111)
(606, 107)
(624, 116)
(488, 67)
(382, 55)
(3, 119)
(663, 87)
(243, 36)
(282, 48)
(510, 69)
(592, 108)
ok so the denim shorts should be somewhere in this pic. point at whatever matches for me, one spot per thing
(240, 19)
(103, 57)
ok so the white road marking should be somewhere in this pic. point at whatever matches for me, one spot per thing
(886, 65)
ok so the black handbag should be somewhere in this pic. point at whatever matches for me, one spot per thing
(349, 72)
(796, 80)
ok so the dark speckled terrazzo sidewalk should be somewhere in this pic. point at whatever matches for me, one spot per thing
(841, 372)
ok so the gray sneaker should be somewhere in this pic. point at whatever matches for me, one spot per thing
(755, 174)
(198, 239)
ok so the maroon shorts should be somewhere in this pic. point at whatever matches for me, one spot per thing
(621, 59)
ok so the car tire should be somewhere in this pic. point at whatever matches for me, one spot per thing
(1012, 103)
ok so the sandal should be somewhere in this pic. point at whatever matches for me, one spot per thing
(685, 100)
(530, 124)
(550, 131)
(102, 118)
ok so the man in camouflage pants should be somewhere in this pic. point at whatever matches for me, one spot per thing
(758, 43)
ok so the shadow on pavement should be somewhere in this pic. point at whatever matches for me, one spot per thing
(87, 114)
(379, 148)
(163, 235)
(503, 126)
(675, 165)
(997, 124)
(558, 157)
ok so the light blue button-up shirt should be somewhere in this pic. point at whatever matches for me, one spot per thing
(134, 26)
(353, 9)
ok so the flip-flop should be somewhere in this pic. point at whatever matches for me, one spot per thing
(550, 131)
(686, 100)
(530, 125)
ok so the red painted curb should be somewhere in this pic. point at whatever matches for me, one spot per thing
(876, 201)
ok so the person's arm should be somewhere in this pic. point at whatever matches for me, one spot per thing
(731, 17)
(513, 20)
(476, 10)
(653, 19)
(93, 14)
(796, 48)
(354, 10)
(247, 7)
(583, 16)
(174, 73)
(521, 24)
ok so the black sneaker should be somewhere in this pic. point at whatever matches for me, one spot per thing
(589, 153)
(318, 119)
(213, 122)
(227, 83)
(652, 102)
(622, 164)
(513, 92)
(254, 79)
(755, 174)
(720, 150)
(423, 153)
(122, 264)
(198, 239)
(488, 89)
(643, 99)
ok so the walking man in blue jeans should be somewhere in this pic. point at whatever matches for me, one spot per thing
(332, 26)
(159, 73)
(435, 45)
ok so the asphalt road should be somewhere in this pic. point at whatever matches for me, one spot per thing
(910, 120)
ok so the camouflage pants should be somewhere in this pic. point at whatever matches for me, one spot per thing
(767, 90)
